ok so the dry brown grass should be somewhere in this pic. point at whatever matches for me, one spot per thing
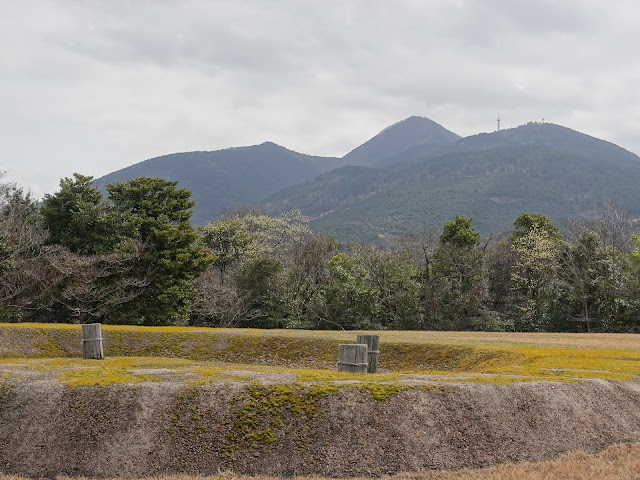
(616, 341)
(620, 462)
(615, 463)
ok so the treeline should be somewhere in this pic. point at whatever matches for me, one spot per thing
(133, 257)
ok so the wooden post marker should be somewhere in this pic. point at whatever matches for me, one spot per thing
(92, 341)
(352, 358)
(373, 344)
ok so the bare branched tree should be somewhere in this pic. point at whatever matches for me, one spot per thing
(218, 303)
(22, 250)
(613, 225)
(91, 287)
(422, 248)
(35, 277)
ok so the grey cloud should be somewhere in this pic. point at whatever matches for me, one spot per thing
(138, 79)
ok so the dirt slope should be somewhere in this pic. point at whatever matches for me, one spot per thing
(48, 429)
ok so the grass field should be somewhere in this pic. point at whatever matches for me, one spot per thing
(197, 355)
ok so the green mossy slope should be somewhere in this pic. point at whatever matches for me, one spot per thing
(244, 346)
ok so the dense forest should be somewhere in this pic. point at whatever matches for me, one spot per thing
(132, 256)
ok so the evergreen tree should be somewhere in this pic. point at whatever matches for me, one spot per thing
(458, 277)
(77, 218)
(460, 233)
(159, 212)
(525, 222)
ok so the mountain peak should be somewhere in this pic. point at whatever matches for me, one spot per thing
(400, 136)
(270, 144)
(414, 121)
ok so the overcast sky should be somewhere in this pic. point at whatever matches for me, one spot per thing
(94, 86)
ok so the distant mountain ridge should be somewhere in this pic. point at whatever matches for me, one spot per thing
(224, 179)
(413, 175)
(491, 177)
(397, 138)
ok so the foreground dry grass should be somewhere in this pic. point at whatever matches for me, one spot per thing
(620, 462)
(616, 463)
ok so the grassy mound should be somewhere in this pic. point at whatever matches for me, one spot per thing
(133, 351)
(184, 400)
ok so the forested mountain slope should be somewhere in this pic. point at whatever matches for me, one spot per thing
(413, 175)
(492, 177)
(225, 179)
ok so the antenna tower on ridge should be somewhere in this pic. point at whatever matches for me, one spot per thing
(498, 124)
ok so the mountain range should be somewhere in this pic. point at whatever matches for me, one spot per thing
(414, 175)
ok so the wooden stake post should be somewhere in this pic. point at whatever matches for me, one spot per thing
(352, 357)
(92, 341)
(373, 344)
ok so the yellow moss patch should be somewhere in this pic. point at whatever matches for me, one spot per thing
(571, 363)
(507, 364)
(381, 392)
(308, 376)
(79, 372)
(103, 377)
(261, 415)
